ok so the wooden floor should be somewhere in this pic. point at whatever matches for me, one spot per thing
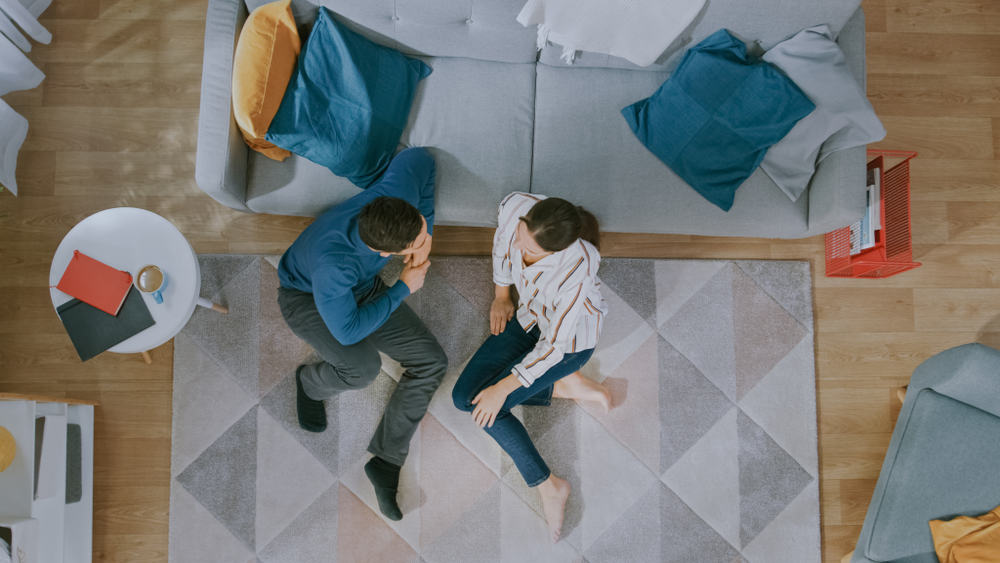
(115, 122)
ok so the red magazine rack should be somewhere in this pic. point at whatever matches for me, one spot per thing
(893, 250)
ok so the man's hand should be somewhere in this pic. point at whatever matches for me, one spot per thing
(413, 276)
(501, 311)
(421, 253)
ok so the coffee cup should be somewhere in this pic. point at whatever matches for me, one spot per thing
(151, 280)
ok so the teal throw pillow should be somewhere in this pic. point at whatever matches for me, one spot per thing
(713, 120)
(347, 102)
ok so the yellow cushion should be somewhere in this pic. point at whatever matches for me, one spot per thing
(8, 448)
(265, 58)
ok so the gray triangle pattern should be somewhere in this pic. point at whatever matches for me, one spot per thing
(770, 478)
(458, 325)
(635, 537)
(787, 282)
(464, 540)
(470, 276)
(702, 330)
(280, 403)
(686, 537)
(217, 270)
(690, 405)
(311, 537)
(632, 280)
(233, 339)
(224, 478)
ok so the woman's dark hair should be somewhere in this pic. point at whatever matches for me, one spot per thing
(389, 224)
(556, 223)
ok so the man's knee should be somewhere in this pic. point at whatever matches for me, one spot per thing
(363, 372)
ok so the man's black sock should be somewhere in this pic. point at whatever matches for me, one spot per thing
(385, 478)
(312, 414)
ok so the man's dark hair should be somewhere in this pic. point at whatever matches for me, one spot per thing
(389, 224)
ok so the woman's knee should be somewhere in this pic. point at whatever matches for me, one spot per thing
(461, 395)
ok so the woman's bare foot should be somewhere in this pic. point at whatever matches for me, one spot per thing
(554, 492)
(579, 388)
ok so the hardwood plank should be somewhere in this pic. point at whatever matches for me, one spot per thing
(838, 541)
(971, 222)
(953, 138)
(924, 94)
(954, 180)
(192, 11)
(111, 129)
(853, 456)
(933, 53)
(131, 174)
(943, 16)
(855, 495)
(957, 309)
(872, 310)
(875, 14)
(133, 85)
(156, 42)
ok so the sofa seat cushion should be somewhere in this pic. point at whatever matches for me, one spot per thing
(945, 441)
(476, 119)
(585, 152)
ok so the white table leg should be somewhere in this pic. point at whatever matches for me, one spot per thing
(213, 306)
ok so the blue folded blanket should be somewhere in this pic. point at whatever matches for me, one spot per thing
(713, 120)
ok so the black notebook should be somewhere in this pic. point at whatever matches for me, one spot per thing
(94, 331)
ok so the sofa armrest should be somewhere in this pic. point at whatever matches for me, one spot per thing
(837, 190)
(221, 161)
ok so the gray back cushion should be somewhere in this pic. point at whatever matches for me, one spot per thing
(477, 29)
(586, 153)
(765, 22)
(476, 119)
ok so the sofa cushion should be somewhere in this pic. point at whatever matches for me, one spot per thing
(712, 121)
(477, 29)
(262, 65)
(347, 103)
(476, 119)
(766, 23)
(843, 118)
(945, 463)
(585, 152)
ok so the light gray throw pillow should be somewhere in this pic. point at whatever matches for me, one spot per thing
(843, 118)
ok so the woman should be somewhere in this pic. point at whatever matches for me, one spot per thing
(547, 248)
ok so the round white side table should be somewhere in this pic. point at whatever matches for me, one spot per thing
(128, 238)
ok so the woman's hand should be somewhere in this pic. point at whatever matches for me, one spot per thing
(488, 403)
(501, 311)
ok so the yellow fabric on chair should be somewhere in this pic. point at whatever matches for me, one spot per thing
(265, 57)
(965, 539)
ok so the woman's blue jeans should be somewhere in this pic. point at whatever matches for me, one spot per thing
(494, 361)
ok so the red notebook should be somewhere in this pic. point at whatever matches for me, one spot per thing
(95, 283)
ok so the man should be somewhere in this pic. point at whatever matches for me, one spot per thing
(331, 297)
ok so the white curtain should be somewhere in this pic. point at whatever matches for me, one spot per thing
(17, 73)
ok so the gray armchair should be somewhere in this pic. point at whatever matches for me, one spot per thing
(943, 458)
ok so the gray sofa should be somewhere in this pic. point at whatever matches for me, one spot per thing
(942, 460)
(499, 116)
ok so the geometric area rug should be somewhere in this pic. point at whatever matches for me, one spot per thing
(709, 455)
